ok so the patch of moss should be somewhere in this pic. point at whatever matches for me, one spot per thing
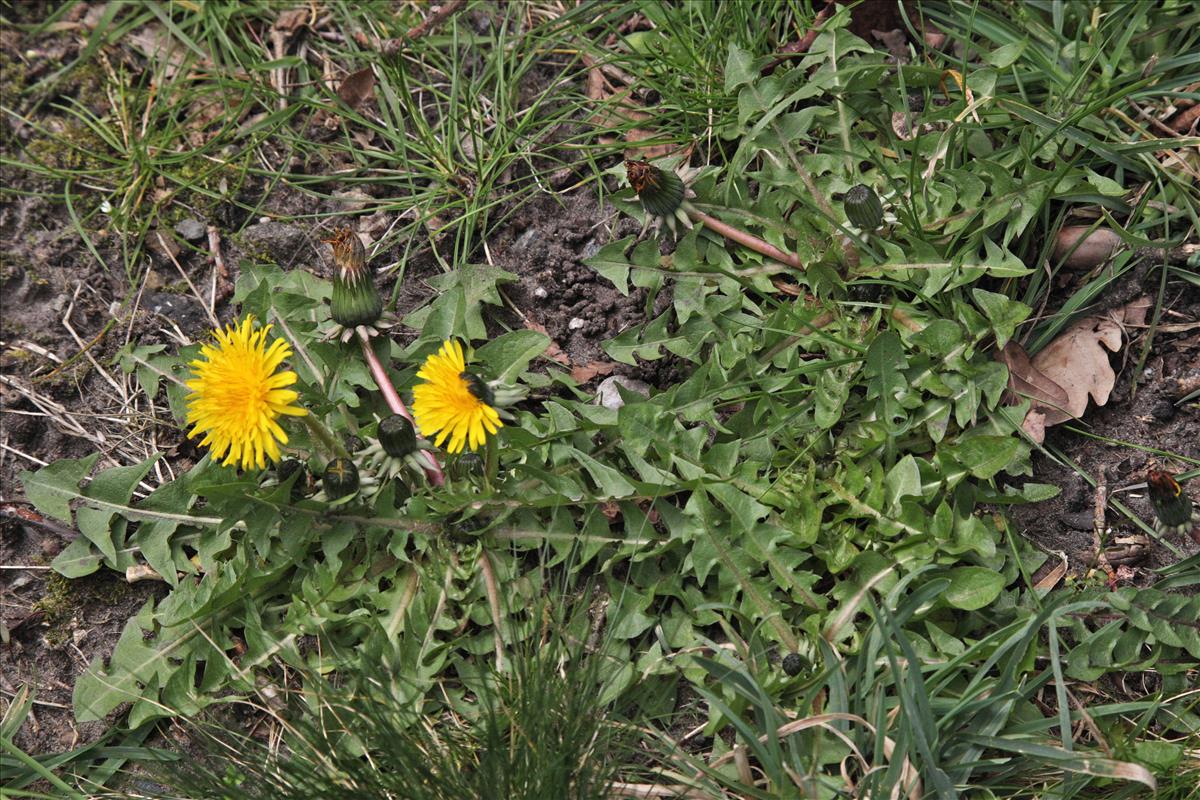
(63, 597)
(12, 81)
(89, 81)
(205, 180)
(77, 148)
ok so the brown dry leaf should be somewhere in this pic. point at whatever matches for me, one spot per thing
(553, 352)
(591, 370)
(357, 86)
(622, 109)
(611, 510)
(1077, 359)
(1034, 424)
(1056, 574)
(786, 287)
(1025, 380)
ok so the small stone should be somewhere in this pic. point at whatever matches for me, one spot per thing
(540, 293)
(353, 199)
(575, 323)
(1081, 521)
(609, 396)
(192, 230)
(282, 243)
(1164, 410)
(162, 245)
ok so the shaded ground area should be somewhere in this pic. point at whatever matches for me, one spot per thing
(1118, 439)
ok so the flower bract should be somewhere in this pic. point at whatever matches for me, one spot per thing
(238, 394)
(665, 194)
(449, 406)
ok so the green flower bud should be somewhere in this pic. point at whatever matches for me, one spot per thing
(397, 436)
(660, 191)
(356, 300)
(863, 207)
(340, 478)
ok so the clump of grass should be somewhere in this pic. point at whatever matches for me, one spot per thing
(538, 729)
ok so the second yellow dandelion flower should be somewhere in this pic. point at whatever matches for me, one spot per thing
(452, 403)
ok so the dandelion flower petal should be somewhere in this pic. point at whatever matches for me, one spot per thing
(445, 408)
(237, 395)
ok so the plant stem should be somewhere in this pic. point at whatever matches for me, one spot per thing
(325, 436)
(492, 464)
(433, 469)
(746, 240)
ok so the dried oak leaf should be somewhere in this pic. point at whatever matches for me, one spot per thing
(1077, 360)
(1025, 380)
(591, 370)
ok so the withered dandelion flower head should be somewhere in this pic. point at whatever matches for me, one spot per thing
(1173, 510)
(356, 301)
(664, 193)
(452, 403)
(238, 394)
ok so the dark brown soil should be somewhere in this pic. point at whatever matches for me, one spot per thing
(1139, 418)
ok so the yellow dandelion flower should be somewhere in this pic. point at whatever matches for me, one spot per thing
(453, 403)
(237, 395)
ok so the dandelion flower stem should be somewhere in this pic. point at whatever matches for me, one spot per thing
(325, 437)
(746, 240)
(433, 469)
(492, 464)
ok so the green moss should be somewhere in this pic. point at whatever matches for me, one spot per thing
(12, 82)
(57, 603)
(89, 80)
(77, 148)
(62, 598)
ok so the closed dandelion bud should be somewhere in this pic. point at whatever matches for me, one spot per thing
(356, 301)
(1172, 506)
(288, 468)
(660, 191)
(863, 208)
(397, 436)
(340, 478)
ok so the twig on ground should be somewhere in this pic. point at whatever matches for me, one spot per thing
(222, 284)
(392, 46)
(1099, 525)
(30, 517)
(212, 316)
(801, 45)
